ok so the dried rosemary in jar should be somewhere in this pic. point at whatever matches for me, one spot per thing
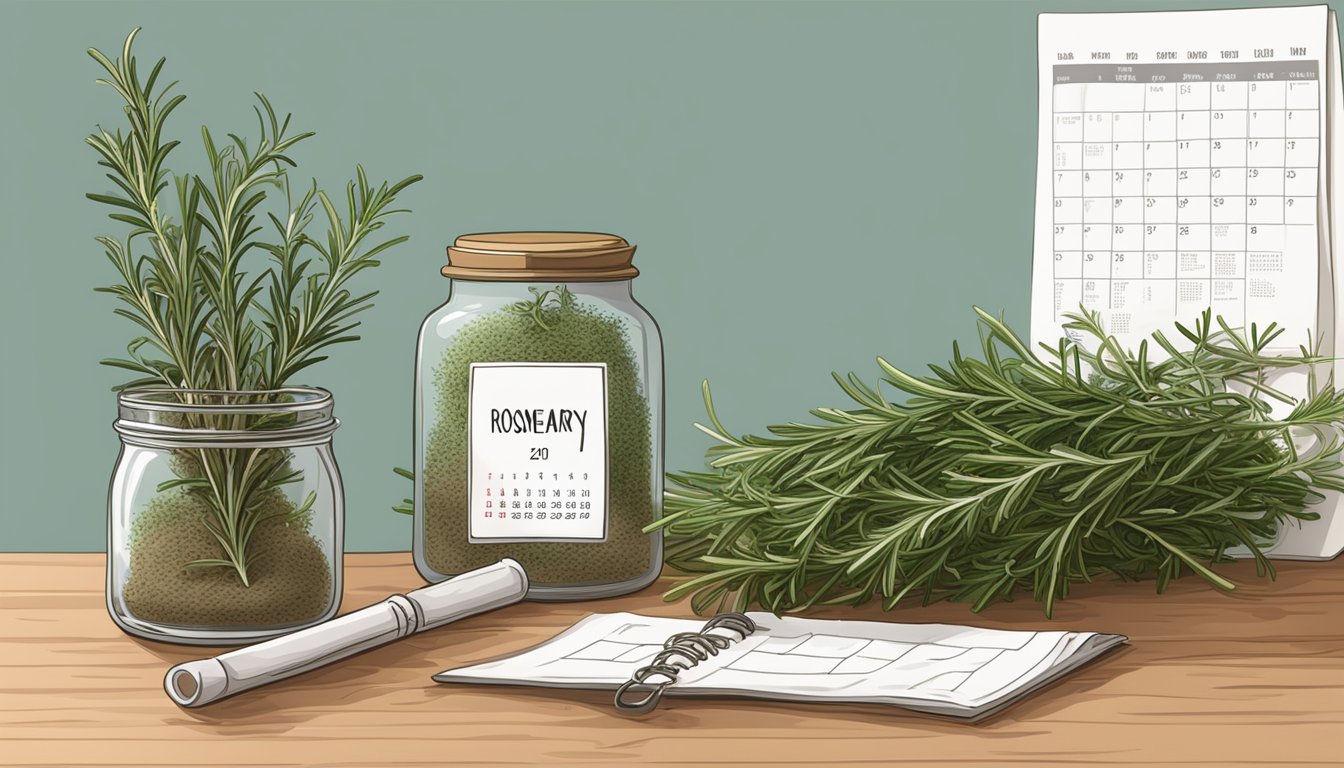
(539, 416)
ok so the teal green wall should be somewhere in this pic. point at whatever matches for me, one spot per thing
(809, 184)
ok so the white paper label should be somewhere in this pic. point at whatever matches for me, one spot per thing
(538, 452)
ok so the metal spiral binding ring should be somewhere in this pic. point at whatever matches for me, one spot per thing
(680, 652)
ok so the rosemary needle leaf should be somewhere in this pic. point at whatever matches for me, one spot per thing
(1022, 470)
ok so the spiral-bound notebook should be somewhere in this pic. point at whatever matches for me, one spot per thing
(943, 669)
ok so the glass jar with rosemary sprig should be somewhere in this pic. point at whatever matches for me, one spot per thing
(225, 509)
(538, 416)
(226, 514)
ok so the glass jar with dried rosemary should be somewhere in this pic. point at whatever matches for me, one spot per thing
(538, 416)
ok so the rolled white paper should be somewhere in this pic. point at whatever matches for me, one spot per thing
(200, 682)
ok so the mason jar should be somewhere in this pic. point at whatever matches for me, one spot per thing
(226, 515)
(539, 416)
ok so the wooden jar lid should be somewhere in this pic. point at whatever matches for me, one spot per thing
(526, 256)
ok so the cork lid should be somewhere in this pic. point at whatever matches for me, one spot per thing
(525, 256)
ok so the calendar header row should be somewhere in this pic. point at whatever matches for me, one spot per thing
(1185, 72)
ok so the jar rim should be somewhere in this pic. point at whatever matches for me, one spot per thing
(145, 417)
(155, 398)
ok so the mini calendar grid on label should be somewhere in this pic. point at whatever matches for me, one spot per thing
(537, 443)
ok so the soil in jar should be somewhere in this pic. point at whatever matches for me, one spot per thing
(569, 332)
(290, 580)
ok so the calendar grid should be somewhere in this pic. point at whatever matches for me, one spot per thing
(1284, 199)
(1186, 226)
(1245, 206)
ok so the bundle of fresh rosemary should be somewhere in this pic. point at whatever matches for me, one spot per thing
(1017, 471)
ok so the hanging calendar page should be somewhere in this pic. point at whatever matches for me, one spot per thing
(1179, 169)
(1184, 163)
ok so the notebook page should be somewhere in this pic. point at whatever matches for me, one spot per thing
(601, 651)
(1179, 160)
(957, 666)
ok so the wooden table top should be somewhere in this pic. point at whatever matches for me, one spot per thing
(1255, 677)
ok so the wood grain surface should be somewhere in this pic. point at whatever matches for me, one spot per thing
(1255, 677)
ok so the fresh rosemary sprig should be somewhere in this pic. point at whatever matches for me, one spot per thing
(536, 307)
(1016, 471)
(206, 323)
(188, 292)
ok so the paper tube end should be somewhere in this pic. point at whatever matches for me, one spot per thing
(517, 568)
(196, 683)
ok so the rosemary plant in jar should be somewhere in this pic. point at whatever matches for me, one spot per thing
(226, 506)
(538, 416)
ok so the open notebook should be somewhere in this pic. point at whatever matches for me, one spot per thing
(938, 668)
